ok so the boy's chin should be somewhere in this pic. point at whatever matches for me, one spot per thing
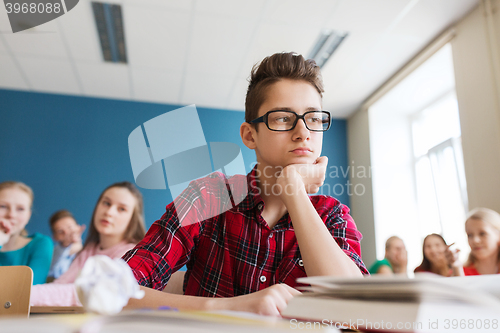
(308, 160)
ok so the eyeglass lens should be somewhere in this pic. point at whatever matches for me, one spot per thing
(285, 120)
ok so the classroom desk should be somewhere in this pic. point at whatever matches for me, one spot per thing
(149, 321)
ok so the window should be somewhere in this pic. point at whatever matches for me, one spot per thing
(439, 172)
(416, 158)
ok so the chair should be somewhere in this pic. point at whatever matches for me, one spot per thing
(15, 290)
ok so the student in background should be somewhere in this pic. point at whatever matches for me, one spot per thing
(483, 234)
(434, 256)
(395, 260)
(117, 225)
(68, 236)
(17, 247)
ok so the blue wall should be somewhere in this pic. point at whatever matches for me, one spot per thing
(69, 148)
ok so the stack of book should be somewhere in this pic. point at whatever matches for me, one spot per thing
(424, 304)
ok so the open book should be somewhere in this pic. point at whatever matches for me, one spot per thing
(424, 304)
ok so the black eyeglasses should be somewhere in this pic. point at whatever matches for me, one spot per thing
(316, 121)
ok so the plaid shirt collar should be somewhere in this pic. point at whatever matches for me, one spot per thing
(253, 200)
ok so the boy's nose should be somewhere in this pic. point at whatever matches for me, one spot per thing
(300, 130)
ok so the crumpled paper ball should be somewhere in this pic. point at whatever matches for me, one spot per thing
(105, 285)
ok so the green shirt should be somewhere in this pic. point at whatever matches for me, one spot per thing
(375, 267)
(37, 254)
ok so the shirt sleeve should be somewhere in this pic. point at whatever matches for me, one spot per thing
(40, 258)
(170, 242)
(54, 294)
(343, 229)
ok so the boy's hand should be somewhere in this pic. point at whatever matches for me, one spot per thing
(269, 302)
(311, 176)
(76, 238)
(5, 228)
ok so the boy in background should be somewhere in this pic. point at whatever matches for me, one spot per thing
(395, 260)
(68, 236)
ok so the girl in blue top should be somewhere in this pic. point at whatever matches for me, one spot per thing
(16, 247)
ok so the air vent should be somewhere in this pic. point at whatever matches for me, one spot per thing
(109, 21)
(326, 45)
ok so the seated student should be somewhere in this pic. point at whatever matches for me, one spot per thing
(117, 225)
(483, 234)
(434, 256)
(68, 236)
(395, 260)
(16, 247)
(246, 257)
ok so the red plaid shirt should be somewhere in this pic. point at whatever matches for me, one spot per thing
(232, 253)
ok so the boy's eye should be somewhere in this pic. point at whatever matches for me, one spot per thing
(105, 203)
(121, 209)
(282, 119)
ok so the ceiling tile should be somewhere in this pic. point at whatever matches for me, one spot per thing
(313, 14)
(272, 38)
(49, 75)
(156, 86)
(156, 38)
(79, 32)
(216, 49)
(5, 27)
(384, 62)
(206, 90)
(231, 8)
(104, 79)
(429, 17)
(43, 40)
(3, 48)
(10, 77)
(366, 15)
(166, 4)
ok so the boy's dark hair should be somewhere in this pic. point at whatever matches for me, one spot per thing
(274, 68)
(60, 214)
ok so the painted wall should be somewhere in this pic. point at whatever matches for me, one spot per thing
(476, 57)
(68, 149)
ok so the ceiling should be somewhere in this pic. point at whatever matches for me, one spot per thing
(201, 51)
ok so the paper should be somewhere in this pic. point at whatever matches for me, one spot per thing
(105, 285)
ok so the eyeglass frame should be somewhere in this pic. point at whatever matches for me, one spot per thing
(263, 119)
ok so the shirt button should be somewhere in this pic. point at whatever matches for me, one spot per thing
(301, 263)
(263, 279)
(259, 206)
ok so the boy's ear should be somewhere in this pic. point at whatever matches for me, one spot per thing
(247, 133)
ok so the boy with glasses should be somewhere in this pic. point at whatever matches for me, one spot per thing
(249, 257)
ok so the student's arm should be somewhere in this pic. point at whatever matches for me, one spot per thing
(320, 252)
(385, 270)
(270, 301)
(40, 258)
(454, 262)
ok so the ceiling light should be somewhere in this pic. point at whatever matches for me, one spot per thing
(109, 21)
(326, 44)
